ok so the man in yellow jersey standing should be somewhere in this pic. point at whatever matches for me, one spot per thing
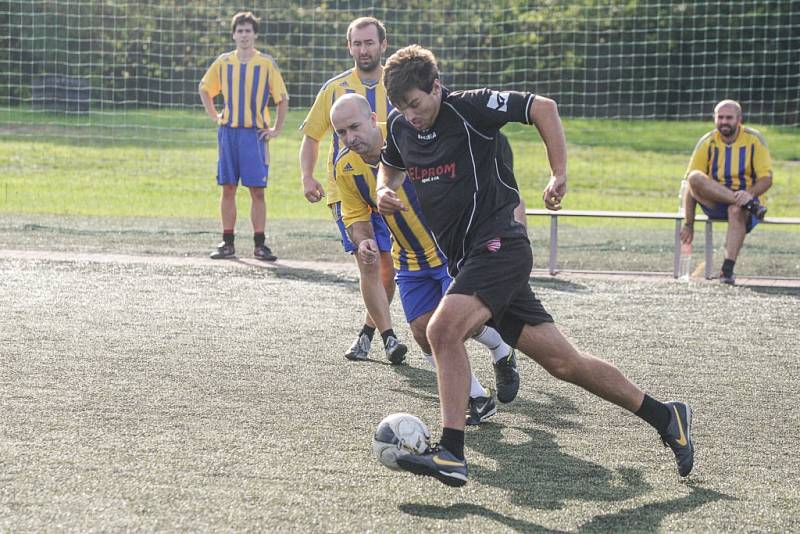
(421, 267)
(366, 43)
(729, 170)
(247, 79)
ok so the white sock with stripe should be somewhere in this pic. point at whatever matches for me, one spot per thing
(490, 338)
(475, 387)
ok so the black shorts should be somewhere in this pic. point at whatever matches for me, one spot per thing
(500, 280)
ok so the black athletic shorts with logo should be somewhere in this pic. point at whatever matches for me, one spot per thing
(499, 276)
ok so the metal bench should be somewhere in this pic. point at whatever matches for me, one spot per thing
(675, 216)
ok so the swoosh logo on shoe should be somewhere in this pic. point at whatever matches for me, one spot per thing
(681, 439)
(448, 463)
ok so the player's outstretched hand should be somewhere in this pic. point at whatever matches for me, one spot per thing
(388, 202)
(554, 192)
(312, 189)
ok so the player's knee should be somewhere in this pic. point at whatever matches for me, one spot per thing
(695, 178)
(735, 213)
(441, 333)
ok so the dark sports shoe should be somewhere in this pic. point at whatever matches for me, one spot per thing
(480, 409)
(756, 209)
(359, 350)
(263, 253)
(727, 279)
(506, 377)
(678, 436)
(223, 252)
(436, 462)
(395, 351)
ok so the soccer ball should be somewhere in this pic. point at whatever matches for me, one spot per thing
(397, 435)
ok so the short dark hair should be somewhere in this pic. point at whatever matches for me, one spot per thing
(243, 17)
(363, 22)
(412, 67)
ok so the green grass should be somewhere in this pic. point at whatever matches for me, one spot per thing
(162, 164)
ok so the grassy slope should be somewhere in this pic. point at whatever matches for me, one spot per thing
(162, 165)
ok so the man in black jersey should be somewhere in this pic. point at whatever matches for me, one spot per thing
(445, 143)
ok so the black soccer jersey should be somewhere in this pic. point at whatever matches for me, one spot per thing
(454, 168)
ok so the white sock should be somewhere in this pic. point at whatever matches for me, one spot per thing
(475, 387)
(490, 338)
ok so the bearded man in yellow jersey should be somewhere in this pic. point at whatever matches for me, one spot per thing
(366, 43)
(729, 171)
(247, 79)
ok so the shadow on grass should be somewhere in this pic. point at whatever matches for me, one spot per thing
(647, 517)
(556, 284)
(314, 276)
(774, 290)
(532, 469)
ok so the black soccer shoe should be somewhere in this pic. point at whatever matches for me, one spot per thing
(436, 462)
(263, 253)
(507, 377)
(756, 209)
(678, 436)
(729, 279)
(481, 408)
(223, 252)
(395, 351)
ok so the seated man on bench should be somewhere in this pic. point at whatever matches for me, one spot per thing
(729, 170)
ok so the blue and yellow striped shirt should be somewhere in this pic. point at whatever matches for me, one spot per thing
(246, 88)
(413, 245)
(318, 121)
(738, 165)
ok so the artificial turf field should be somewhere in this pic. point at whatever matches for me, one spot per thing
(146, 388)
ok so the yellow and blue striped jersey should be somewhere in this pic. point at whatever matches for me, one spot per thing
(246, 88)
(413, 245)
(738, 165)
(318, 122)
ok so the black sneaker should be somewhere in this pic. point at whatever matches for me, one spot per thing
(756, 209)
(678, 436)
(359, 350)
(481, 408)
(506, 377)
(263, 253)
(223, 252)
(395, 351)
(729, 279)
(436, 462)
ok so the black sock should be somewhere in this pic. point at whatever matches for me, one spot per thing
(727, 267)
(385, 335)
(258, 238)
(453, 441)
(368, 330)
(227, 237)
(654, 412)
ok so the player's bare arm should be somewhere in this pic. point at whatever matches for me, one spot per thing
(309, 152)
(544, 114)
(282, 108)
(208, 104)
(389, 179)
(362, 235)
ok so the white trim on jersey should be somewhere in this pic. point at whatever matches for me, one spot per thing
(467, 128)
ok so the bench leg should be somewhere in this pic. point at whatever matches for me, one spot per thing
(676, 261)
(709, 250)
(553, 261)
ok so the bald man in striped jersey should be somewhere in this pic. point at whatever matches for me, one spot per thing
(729, 171)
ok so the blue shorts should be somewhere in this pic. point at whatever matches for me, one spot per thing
(242, 155)
(421, 291)
(720, 213)
(382, 235)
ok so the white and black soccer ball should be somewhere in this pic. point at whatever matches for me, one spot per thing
(397, 435)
